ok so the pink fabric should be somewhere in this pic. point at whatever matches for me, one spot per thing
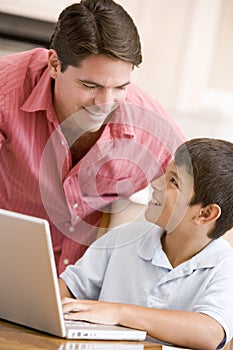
(36, 174)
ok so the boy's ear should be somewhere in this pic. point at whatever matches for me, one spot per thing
(208, 214)
(53, 63)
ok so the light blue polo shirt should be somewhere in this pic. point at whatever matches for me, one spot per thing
(128, 265)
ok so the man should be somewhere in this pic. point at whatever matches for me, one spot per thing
(75, 134)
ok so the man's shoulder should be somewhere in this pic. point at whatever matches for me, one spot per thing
(16, 68)
(150, 106)
(24, 58)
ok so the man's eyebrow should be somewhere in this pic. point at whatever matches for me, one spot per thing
(90, 82)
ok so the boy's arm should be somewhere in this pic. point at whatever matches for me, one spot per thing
(64, 290)
(182, 328)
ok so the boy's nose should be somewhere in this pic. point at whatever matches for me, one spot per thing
(157, 184)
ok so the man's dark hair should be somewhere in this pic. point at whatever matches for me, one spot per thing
(210, 163)
(95, 27)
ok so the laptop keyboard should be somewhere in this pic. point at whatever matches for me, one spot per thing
(71, 323)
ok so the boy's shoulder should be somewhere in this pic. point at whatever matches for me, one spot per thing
(132, 233)
(217, 254)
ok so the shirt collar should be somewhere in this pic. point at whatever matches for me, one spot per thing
(40, 97)
(151, 249)
(151, 243)
(123, 116)
(210, 255)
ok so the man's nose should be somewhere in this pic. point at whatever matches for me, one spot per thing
(104, 97)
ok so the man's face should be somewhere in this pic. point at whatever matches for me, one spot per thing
(91, 91)
(169, 206)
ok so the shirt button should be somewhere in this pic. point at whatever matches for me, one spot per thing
(63, 143)
(75, 205)
(66, 261)
(71, 228)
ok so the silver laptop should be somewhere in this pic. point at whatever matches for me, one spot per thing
(29, 288)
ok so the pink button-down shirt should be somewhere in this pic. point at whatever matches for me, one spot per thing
(36, 173)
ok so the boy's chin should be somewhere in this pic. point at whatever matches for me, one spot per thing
(150, 218)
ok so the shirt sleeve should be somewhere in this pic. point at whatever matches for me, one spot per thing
(2, 126)
(217, 300)
(85, 278)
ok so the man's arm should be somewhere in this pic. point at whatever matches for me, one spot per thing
(187, 329)
(133, 210)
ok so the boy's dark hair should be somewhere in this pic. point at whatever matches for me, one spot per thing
(95, 27)
(210, 162)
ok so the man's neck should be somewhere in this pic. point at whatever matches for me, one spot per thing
(83, 145)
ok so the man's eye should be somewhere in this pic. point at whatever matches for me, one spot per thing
(90, 87)
(122, 88)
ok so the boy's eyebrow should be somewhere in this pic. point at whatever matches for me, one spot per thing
(90, 82)
(174, 173)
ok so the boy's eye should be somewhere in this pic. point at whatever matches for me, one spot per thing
(173, 181)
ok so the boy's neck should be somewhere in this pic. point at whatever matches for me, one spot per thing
(180, 248)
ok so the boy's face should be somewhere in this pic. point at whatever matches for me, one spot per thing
(172, 193)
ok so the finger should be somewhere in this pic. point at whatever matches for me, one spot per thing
(70, 300)
(74, 306)
(78, 316)
(66, 300)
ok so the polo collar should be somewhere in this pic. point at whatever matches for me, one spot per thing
(210, 255)
(151, 243)
(151, 249)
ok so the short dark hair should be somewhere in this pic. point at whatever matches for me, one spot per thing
(210, 162)
(95, 27)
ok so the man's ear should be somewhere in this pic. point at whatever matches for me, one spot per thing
(208, 214)
(53, 63)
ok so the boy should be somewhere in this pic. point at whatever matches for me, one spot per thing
(174, 281)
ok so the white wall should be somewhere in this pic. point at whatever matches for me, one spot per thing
(188, 55)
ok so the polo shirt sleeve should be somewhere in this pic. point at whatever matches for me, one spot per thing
(85, 278)
(217, 299)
